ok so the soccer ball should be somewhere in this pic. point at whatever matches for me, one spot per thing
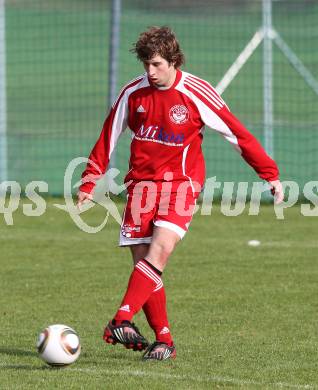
(59, 345)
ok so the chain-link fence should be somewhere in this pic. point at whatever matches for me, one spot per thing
(54, 85)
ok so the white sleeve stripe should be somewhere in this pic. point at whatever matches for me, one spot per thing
(208, 87)
(202, 93)
(117, 129)
(206, 90)
(208, 116)
(126, 87)
(121, 110)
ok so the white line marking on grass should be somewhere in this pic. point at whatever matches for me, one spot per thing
(203, 378)
(286, 244)
(147, 374)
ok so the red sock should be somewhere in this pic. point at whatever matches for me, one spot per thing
(156, 313)
(143, 281)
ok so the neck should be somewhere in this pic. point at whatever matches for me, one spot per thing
(169, 82)
(171, 79)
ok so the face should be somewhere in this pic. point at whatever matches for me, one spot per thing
(160, 72)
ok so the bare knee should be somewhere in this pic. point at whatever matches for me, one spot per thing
(159, 254)
(163, 249)
(162, 246)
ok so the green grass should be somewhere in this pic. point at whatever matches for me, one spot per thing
(242, 317)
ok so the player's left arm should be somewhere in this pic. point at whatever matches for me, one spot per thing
(277, 190)
(253, 153)
(215, 114)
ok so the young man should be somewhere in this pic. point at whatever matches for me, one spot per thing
(166, 109)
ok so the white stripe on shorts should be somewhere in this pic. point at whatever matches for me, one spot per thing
(171, 226)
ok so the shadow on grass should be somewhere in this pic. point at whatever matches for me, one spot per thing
(27, 367)
(16, 352)
(86, 360)
(20, 352)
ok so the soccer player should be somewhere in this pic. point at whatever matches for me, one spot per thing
(166, 110)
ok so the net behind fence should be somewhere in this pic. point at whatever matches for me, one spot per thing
(56, 85)
(57, 79)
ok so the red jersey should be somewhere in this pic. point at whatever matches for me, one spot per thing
(167, 130)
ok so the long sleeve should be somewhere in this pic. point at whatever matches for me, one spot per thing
(217, 116)
(100, 155)
(114, 125)
(251, 150)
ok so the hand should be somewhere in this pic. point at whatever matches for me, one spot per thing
(277, 191)
(82, 197)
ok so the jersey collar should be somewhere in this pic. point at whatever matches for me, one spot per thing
(176, 81)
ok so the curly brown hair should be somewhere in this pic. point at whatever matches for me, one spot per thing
(159, 41)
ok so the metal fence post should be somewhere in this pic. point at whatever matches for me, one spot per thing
(113, 60)
(3, 97)
(268, 77)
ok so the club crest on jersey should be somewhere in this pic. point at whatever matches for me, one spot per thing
(179, 114)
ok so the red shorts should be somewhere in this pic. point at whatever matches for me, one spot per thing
(152, 204)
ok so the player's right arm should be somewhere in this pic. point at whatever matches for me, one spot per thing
(82, 197)
(98, 160)
(99, 157)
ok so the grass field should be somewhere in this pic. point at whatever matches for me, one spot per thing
(242, 317)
